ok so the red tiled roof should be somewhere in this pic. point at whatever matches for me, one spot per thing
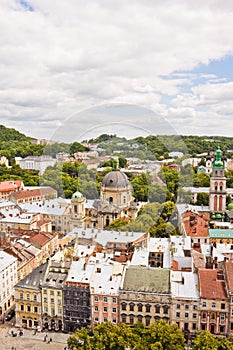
(7, 186)
(211, 287)
(229, 275)
(34, 193)
(195, 224)
(40, 239)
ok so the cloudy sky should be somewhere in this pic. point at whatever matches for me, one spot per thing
(70, 68)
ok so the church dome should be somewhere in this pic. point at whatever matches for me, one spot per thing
(115, 179)
(77, 195)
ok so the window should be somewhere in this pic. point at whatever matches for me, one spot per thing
(186, 314)
(194, 326)
(21, 307)
(123, 318)
(222, 306)
(147, 321)
(105, 319)
(194, 307)
(139, 307)
(96, 299)
(222, 329)
(178, 306)
(28, 296)
(45, 291)
(204, 304)
(165, 309)
(35, 309)
(213, 305)
(131, 307)
(58, 293)
(194, 315)
(45, 300)
(52, 300)
(114, 309)
(157, 309)
(222, 317)
(105, 299)
(203, 314)
(21, 295)
(114, 300)
(105, 309)
(96, 308)
(52, 292)
(96, 318)
(34, 297)
(114, 320)
(131, 320)
(186, 307)
(28, 308)
(123, 306)
(148, 308)
(178, 314)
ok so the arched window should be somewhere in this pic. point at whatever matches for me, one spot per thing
(139, 307)
(157, 309)
(110, 200)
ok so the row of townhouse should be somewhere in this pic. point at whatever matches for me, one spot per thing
(66, 295)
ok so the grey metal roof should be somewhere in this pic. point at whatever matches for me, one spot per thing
(33, 279)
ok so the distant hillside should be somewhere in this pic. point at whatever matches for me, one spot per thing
(10, 134)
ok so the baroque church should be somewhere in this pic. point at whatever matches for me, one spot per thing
(115, 202)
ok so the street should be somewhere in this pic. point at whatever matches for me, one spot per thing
(30, 341)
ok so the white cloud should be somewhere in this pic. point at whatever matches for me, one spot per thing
(66, 56)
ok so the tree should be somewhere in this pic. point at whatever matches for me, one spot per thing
(202, 198)
(205, 341)
(106, 336)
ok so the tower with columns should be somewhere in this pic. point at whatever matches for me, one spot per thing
(217, 198)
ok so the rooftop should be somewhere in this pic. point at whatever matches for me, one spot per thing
(140, 278)
(212, 284)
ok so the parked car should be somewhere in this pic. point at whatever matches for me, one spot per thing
(10, 315)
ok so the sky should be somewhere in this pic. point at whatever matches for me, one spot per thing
(71, 69)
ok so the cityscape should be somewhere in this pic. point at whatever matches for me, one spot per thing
(147, 248)
(116, 175)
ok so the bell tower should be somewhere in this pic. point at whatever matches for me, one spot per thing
(218, 193)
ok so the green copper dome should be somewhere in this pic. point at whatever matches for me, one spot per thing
(230, 206)
(77, 195)
(218, 161)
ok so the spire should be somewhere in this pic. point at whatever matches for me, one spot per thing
(218, 154)
(218, 160)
